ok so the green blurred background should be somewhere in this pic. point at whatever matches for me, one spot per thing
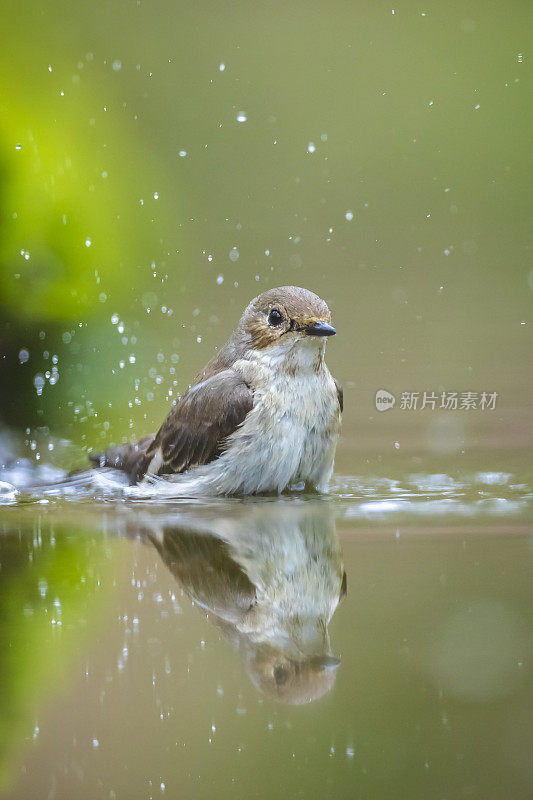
(383, 159)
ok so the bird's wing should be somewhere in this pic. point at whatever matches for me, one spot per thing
(202, 564)
(196, 429)
(128, 458)
(340, 394)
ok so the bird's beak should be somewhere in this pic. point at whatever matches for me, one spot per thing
(325, 662)
(320, 329)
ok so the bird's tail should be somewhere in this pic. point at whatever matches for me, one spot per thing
(128, 458)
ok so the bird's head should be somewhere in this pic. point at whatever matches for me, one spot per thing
(288, 680)
(287, 314)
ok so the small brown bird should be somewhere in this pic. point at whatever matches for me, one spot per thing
(263, 415)
(269, 576)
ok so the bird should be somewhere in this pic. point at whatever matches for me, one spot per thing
(269, 576)
(263, 415)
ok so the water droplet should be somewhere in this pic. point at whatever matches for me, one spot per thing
(220, 279)
(311, 147)
(23, 356)
(234, 254)
(88, 242)
(114, 319)
(241, 117)
(222, 67)
(156, 195)
(349, 215)
(117, 65)
(182, 153)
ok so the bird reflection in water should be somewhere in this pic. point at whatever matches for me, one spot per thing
(270, 577)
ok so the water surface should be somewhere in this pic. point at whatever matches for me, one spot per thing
(376, 643)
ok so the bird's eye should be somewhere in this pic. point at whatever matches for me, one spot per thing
(281, 675)
(275, 317)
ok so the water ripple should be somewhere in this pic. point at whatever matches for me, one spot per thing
(480, 494)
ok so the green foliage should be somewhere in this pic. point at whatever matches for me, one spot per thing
(52, 596)
(72, 226)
